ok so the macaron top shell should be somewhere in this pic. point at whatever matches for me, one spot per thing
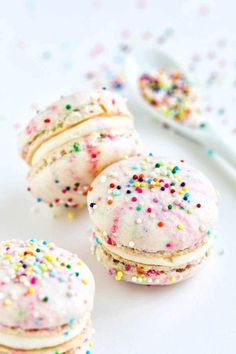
(68, 112)
(42, 286)
(153, 204)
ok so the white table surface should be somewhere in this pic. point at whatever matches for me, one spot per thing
(46, 48)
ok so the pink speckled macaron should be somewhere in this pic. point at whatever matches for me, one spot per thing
(46, 299)
(154, 219)
(72, 141)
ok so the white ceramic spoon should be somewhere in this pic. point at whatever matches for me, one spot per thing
(146, 60)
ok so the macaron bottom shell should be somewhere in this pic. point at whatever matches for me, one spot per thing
(81, 344)
(144, 274)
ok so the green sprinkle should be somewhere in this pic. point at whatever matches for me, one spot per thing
(77, 274)
(76, 147)
(38, 250)
(172, 184)
(45, 299)
(138, 208)
(68, 266)
(170, 206)
(157, 165)
(50, 205)
(77, 184)
(68, 106)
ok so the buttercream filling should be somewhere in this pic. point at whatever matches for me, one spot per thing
(189, 256)
(78, 132)
(40, 339)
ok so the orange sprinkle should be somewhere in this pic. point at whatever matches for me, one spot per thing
(109, 201)
(103, 107)
(160, 224)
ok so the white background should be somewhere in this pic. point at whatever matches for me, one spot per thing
(46, 48)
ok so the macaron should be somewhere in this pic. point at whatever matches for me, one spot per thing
(46, 299)
(67, 145)
(154, 220)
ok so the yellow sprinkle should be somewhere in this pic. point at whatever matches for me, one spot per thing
(79, 263)
(31, 290)
(157, 183)
(43, 267)
(7, 243)
(143, 184)
(137, 184)
(181, 192)
(185, 189)
(71, 216)
(170, 167)
(7, 256)
(50, 245)
(48, 257)
(29, 270)
(79, 206)
(85, 281)
(180, 226)
(20, 254)
(178, 178)
(119, 275)
(145, 158)
(7, 302)
(172, 278)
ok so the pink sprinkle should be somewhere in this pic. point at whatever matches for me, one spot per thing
(109, 241)
(33, 280)
(149, 210)
(93, 155)
(127, 267)
(169, 245)
(166, 185)
(161, 180)
(139, 190)
(134, 199)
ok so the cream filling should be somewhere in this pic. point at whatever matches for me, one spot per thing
(158, 260)
(33, 341)
(79, 130)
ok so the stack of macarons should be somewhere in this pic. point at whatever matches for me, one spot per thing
(46, 299)
(154, 222)
(67, 145)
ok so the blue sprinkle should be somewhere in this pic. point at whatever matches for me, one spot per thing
(71, 321)
(53, 274)
(97, 240)
(116, 192)
(131, 181)
(38, 200)
(135, 167)
(45, 243)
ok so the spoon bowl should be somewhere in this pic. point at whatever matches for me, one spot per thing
(146, 59)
